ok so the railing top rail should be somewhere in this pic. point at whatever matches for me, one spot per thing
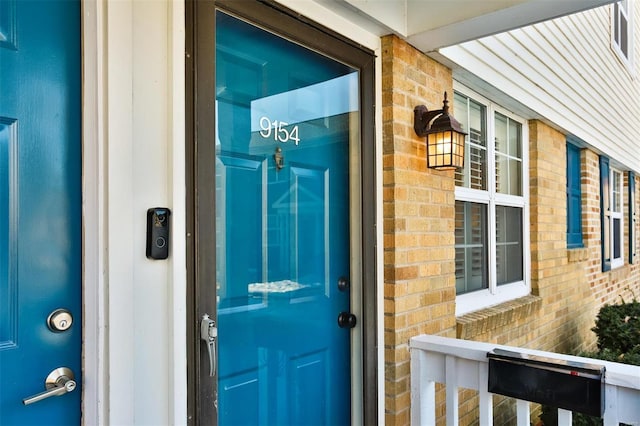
(616, 373)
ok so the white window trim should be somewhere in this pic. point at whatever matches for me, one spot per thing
(618, 261)
(495, 294)
(626, 59)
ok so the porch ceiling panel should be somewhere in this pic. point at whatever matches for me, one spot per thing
(431, 24)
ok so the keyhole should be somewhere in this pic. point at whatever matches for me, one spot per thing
(59, 320)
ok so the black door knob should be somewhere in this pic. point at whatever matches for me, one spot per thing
(346, 320)
(343, 284)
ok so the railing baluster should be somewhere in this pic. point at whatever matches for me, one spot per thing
(486, 398)
(564, 417)
(522, 410)
(423, 391)
(451, 377)
(429, 409)
(610, 417)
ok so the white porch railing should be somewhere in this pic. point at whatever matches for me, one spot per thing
(464, 364)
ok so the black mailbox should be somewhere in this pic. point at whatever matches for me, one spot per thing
(569, 385)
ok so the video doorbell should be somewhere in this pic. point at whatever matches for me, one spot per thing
(158, 232)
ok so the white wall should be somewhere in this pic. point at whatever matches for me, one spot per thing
(566, 72)
(135, 308)
(145, 155)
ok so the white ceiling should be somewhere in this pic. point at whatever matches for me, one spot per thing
(431, 24)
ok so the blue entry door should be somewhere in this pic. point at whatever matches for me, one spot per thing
(285, 117)
(40, 212)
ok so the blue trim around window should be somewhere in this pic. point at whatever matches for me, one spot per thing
(632, 220)
(574, 198)
(604, 206)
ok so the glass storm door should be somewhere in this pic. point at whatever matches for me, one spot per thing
(285, 116)
(40, 213)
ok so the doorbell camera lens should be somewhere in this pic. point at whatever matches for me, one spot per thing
(158, 233)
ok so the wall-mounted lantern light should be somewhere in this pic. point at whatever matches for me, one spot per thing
(445, 138)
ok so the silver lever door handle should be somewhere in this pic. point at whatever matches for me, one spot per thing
(59, 382)
(209, 333)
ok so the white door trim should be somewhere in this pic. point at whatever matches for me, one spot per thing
(177, 194)
(120, 286)
(94, 402)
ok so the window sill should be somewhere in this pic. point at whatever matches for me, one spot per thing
(485, 320)
(617, 273)
(577, 254)
(481, 299)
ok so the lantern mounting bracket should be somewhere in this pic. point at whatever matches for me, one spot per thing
(423, 118)
(424, 121)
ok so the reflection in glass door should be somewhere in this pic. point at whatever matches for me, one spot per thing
(284, 119)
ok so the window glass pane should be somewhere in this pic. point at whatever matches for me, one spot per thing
(617, 241)
(606, 248)
(281, 226)
(623, 36)
(515, 177)
(509, 246)
(605, 192)
(508, 155)
(515, 139)
(461, 109)
(502, 174)
(471, 247)
(621, 26)
(477, 123)
(501, 133)
(476, 168)
(472, 116)
(616, 196)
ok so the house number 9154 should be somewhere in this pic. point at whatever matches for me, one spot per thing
(278, 130)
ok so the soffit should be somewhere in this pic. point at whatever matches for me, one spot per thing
(431, 24)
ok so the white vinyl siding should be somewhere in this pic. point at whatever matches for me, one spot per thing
(564, 71)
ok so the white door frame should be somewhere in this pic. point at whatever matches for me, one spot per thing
(94, 354)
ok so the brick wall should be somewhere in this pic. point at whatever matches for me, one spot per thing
(419, 280)
(568, 287)
(567, 304)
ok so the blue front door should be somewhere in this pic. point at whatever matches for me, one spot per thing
(285, 117)
(40, 212)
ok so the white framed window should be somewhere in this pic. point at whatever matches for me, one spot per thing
(491, 210)
(611, 215)
(616, 220)
(622, 30)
